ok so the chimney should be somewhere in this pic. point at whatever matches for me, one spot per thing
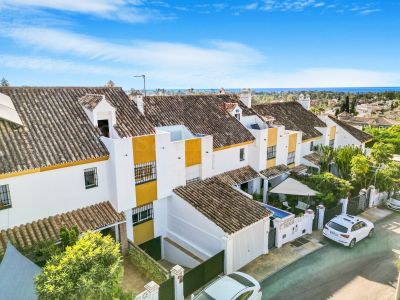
(305, 101)
(138, 98)
(245, 97)
(222, 91)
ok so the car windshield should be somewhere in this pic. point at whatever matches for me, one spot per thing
(337, 227)
(241, 279)
(204, 296)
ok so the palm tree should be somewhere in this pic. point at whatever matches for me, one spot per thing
(326, 157)
(343, 160)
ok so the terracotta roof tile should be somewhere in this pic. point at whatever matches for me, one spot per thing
(56, 129)
(356, 133)
(88, 218)
(238, 176)
(313, 158)
(90, 101)
(201, 114)
(299, 169)
(222, 204)
(293, 116)
(274, 171)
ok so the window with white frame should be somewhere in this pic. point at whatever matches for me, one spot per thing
(145, 172)
(142, 214)
(271, 152)
(291, 157)
(241, 154)
(5, 198)
(91, 180)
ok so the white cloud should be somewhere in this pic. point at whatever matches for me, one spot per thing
(132, 11)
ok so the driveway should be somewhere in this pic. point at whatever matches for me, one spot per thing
(366, 272)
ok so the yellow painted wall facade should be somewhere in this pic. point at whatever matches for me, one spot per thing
(332, 133)
(272, 136)
(143, 232)
(146, 193)
(292, 142)
(144, 149)
(193, 152)
(271, 163)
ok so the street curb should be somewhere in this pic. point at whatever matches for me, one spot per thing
(292, 262)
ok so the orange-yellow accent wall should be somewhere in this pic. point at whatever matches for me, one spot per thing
(332, 133)
(193, 152)
(144, 149)
(272, 136)
(292, 142)
(271, 163)
(146, 192)
(143, 232)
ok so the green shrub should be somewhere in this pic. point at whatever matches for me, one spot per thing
(146, 265)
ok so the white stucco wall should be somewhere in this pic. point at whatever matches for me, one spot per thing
(229, 159)
(40, 195)
(282, 146)
(258, 149)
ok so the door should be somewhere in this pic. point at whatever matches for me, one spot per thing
(364, 230)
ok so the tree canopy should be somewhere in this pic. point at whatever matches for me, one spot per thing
(389, 135)
(90, 269)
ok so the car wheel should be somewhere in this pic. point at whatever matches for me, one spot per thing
(371, 233)
(352, 243)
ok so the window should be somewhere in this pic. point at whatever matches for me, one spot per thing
(91, 178)
(291, 157)
(237, 116)
(142, 214)
(337, 227)
(5, 198)
(242, 154)
(271, 152)
(312, 146)
(104, 128)
(245, 295)
(331, 143)
(145, 172)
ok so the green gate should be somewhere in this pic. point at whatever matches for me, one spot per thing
(152, 248)
(203, 273)
(167, 290)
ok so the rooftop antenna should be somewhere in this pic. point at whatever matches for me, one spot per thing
(144, 82)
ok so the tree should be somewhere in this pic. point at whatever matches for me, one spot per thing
(388, 179)
(382, 153)
(90, 269)
(389, 135)
(69, 237)
(359, 170)
(4, 82)
(343, 159)
(326, 157)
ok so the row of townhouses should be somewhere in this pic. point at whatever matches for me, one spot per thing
(181, 167)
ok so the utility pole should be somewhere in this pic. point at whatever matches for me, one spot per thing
(144, 82)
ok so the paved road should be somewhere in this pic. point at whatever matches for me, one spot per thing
(366, 272)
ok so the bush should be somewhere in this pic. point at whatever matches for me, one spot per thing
(90, 269)
(146, 265)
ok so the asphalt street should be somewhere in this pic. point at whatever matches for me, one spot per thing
(366, 272)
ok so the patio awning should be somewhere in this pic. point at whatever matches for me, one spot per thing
(17, 275)
(291, 186)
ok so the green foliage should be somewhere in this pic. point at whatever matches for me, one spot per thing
(327, 155)
(382, 153)
(360, 167)
(69, 236)
(90, 269)
(343, 158)
(389, 135)
(330, 187)
(146, 265)
(41, 252)
(388, 179)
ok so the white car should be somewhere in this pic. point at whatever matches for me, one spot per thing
(393, 203)
(348, 230)
(235, 286)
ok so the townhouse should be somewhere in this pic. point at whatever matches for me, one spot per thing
(182, 167)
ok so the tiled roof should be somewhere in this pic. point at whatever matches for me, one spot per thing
(299, 169)
(56, 129)
(356, 133)
(223, 205)
(293, 116)
(88, 218)
(313, 158)
(90, 101)
(203, 114)
(274, 171)
(238, 176)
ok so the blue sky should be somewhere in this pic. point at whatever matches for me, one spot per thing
(201, 44)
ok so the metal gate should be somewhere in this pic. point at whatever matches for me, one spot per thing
(357, 205)
(332, 212)
(316, 218)
(203, 273)
(167, 290)
(271, 237)
(152, 248)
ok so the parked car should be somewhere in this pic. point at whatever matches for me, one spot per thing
(348, 230)
(393, 202)
(235, 286)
